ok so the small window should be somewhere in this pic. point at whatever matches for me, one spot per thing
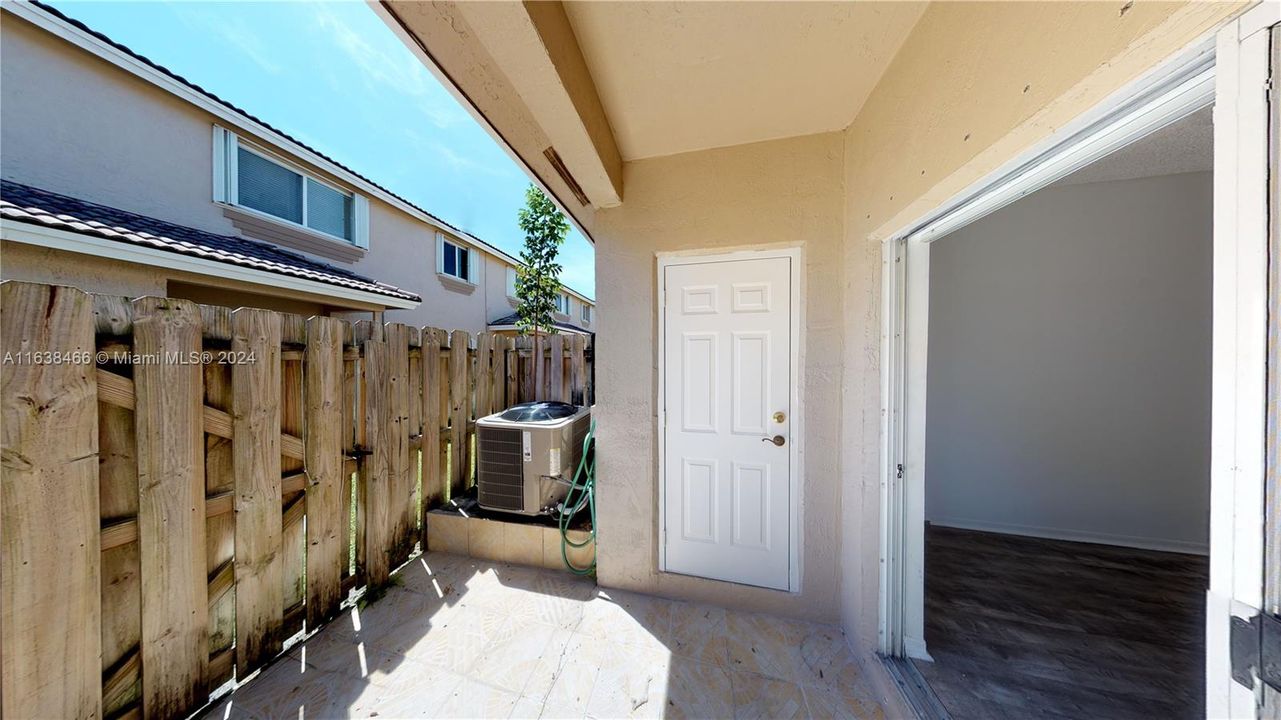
(587, 313)
(455, 260)
(562, 304)
(251, 178)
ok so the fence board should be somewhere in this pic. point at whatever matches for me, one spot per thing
(171, 515)
(400, 478)
(323, 444)
(558, 391)
(484, 360)
(511, 367)
(375, 494)
(498, 375)
(432, 384)
(121, 586)
(255, 429)
(459, 408)
(350, 408)
(578, 367)
(293, 540)
(51, 638)
(220, 528)
(540, 368)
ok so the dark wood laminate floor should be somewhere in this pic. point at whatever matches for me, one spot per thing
(1028, 628)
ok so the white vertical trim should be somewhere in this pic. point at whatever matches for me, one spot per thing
(891, 601)
(226, 165)
(916, 335)
(796, 357)
(219, 164)
(440, 253)
(1239, 380)
(360, 221)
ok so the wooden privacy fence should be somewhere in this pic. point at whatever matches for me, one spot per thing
(185, 486)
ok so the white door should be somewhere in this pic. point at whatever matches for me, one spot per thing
(727, 376)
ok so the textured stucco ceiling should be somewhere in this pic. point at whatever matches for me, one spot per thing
(1181, 147)
(675, 77)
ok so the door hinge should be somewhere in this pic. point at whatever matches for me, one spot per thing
(1256, 650)
(898, 471)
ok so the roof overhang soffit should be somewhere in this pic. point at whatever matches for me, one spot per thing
(519, 68)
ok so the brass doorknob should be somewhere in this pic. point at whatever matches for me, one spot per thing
(778, 440)
(779, 417)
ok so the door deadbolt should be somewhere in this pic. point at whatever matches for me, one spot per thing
(777, 440)
(779, 417)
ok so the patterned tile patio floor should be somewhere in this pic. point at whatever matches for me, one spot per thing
(462, 638)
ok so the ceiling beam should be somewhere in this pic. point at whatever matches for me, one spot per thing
(518, 68)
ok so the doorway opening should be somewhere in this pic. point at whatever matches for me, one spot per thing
(1067, 449)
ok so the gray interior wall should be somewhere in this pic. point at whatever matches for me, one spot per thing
(1069, 366)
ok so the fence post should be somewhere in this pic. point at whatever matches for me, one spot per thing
(51, 628)
(459, 410)
(323, 446)
(168, 416)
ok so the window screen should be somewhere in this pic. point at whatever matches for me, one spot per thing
(328, 210)
(269, 187)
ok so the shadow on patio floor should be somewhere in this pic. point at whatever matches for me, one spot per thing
(465, 638)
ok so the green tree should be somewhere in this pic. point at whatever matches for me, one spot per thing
(538, 282)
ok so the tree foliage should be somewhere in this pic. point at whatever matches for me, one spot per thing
(538, 282)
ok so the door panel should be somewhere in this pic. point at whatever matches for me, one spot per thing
(727, 373)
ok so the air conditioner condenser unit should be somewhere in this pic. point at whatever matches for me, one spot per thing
(527, 455)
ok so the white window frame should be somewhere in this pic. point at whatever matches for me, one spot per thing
(472, 254)
(568, 304)
(226, 187)
(1177, 88)
(587, 313)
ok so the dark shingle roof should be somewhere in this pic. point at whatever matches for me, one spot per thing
(510, 320)
(24, 203)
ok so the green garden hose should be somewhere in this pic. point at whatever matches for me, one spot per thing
(582, 493)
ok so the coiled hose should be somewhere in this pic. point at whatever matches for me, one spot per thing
(582, 493)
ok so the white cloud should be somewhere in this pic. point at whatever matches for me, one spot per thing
(235, 31)
(399, 70)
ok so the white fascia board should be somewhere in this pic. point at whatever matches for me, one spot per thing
(41, 236)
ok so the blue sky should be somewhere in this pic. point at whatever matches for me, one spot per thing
(334, 76)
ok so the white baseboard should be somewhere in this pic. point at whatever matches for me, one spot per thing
(1144, 543)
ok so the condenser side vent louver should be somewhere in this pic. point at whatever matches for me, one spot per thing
(499, 459)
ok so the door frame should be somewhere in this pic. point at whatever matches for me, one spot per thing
(796, 356)
(1182, 84)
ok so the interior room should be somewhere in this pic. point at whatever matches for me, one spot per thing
(1068, 442)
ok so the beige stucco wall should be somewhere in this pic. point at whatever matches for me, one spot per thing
(74, 124)
(785, 192)
(975, 84)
